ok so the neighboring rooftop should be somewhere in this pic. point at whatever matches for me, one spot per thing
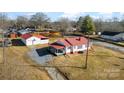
(27, 35)
(111, 33)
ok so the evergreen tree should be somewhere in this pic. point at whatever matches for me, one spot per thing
(79, 23)
(88, 25)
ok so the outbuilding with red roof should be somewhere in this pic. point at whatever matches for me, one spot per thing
(29, 39)
(69, 45)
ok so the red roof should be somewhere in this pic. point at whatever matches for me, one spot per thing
(40, 36)
(76, 41)
(73, 41)
(26, 36)
(56, 46)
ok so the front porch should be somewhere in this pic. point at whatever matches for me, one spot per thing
(57, 51)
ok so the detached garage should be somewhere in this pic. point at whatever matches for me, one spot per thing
(29, 39)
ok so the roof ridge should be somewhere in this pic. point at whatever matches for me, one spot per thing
(66, 39)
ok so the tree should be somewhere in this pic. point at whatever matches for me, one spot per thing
(65, 25)
(99, 25)
(39, 20)
(79, 23)
(3, 21)
(88, 25)
(22, 21)
(122, 22)
(112, 24)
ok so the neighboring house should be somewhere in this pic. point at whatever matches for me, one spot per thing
(5, 42)
(29, 39)
(69, 45)
(22, 32)
(71, 29)
(114, 36)
(1, 42)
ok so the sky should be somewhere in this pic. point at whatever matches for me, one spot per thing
(71, 15)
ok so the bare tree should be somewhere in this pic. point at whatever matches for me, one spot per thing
(65, 25)
(3, 21)
(21, 22)
(39, 20)
(113, 24)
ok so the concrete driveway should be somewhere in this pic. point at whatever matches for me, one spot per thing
(41, 56)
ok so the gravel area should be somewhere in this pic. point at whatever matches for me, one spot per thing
(42, 57)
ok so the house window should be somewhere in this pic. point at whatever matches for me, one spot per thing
(74, 47)
(79, 47)
(69, 47)
(60, 51)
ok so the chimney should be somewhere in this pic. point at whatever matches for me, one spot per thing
(79, 38)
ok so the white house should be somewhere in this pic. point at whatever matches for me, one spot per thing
(29, 39)
(114, 36)
(69, 45)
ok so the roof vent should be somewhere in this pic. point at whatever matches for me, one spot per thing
(79, 38)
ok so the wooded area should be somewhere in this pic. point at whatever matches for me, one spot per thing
(41, 21)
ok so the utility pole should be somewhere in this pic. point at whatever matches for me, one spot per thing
(3, 45)
(87, 52)
(3, 40)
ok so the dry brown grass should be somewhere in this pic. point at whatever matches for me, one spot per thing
(102, 64)
(19, 66)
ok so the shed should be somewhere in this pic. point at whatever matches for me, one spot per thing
(29, 39)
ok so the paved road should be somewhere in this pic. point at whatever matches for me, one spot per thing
(108, 45)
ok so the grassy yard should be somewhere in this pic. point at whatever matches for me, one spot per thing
(102, 64)
(19, 66)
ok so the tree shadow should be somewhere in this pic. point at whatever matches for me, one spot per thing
(17, 42)
(107, 56)
(121, 57)
(122, 69)
(116, 64)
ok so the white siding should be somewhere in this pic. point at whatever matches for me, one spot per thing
(76, 49)
(23, 40)
(34, 41)
(68, 49)
(82, 49)
(45, 41)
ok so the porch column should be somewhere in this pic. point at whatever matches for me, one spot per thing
(56, 50)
